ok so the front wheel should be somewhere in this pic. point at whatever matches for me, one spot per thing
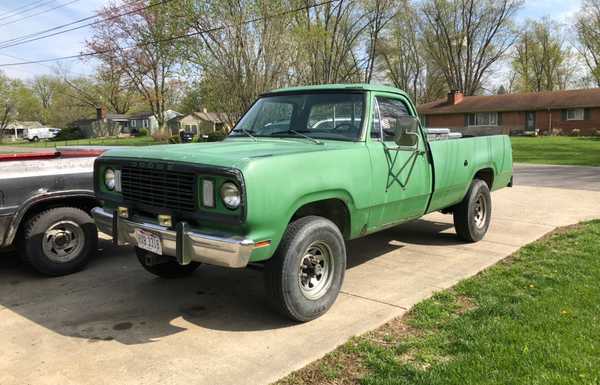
(472, 216)
(304, 277)
(168, 268)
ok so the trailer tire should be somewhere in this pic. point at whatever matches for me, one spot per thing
(59, 241)
(472, 216)
(304, 277)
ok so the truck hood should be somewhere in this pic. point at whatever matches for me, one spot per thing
(234, 153)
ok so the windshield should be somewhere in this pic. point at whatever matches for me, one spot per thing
(319, 116)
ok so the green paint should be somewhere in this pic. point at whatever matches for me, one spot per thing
(380, 187)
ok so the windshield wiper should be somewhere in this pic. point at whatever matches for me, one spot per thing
(248, 133)
(315, 141)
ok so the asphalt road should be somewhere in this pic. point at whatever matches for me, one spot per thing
(116, 324)
(567, 177)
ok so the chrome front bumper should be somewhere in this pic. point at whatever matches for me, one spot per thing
(185, 244)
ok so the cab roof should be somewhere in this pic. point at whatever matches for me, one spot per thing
(339, 87)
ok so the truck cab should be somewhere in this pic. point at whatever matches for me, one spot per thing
(304, 170)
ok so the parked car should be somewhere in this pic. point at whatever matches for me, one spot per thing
(36, 134)
(45, 204)
(289, 199)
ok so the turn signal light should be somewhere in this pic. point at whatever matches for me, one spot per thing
(123, 212)
(165, 220)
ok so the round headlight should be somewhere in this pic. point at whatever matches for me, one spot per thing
(230, 194)
(109, 179)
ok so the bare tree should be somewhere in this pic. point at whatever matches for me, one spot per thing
(242, 59)
(381, 13)
(328, 40)
(588, 36)
(465, 38)
(142, 45)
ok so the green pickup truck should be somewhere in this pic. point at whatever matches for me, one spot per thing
(304, 170)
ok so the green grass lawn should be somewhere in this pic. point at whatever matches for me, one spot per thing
(532, 319)
(578, 151)
(112, 141)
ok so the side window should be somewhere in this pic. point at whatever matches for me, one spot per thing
(390, 110)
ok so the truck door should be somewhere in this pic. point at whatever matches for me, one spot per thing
(401, 174)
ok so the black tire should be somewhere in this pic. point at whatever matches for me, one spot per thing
(36, 139)
(468, 221)
(70, 226)
(169, 269)
(282, 280)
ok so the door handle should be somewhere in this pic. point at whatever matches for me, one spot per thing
(466, 163)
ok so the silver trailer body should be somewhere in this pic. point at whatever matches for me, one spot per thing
(26, 184)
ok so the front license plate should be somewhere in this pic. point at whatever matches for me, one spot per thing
(148, 241)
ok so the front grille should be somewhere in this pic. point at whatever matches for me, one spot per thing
(174, 190)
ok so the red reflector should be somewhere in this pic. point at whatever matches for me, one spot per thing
(262, 244)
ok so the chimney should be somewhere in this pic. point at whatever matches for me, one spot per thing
(205, 110)
(455, 97)
(101, 113)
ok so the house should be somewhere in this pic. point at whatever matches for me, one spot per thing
(204, 122)
(148, 121)
(105, 124)
(552, 112)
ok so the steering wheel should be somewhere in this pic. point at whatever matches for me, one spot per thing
(350, 126)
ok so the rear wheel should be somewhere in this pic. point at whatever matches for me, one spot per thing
(305, 275)
(168, 267)
(472, 216)
(36, 139)
(59, 241)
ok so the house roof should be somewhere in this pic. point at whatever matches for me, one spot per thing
(214, 117)
(532, 101)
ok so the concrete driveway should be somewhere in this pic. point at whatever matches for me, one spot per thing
(116, 324)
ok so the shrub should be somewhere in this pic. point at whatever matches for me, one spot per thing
(161, 136)
(174, 139)
(70, 133)
(142, 132)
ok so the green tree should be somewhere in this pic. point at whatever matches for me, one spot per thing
(587, 27)
(541, 58)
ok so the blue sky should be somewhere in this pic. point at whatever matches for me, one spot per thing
(72, 43)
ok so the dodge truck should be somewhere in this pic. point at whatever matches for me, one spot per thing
(304, 170)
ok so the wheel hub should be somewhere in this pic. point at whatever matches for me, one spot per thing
(63, 241)
(315, 271)
(479, 211)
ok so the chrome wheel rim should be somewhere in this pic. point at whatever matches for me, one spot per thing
(479, 211)
(63, 241)
(315, 272)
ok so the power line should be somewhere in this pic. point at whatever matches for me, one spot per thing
(21, 11)
(191, 34)
(35, 36)
(39, 13)
(16, 10)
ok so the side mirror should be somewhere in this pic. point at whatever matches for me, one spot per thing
(405, 131)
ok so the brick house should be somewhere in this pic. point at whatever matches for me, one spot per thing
(557, 112)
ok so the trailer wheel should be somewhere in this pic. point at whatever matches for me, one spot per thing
(304, 277)
(472, 216)
(169, 268)
(59, 241)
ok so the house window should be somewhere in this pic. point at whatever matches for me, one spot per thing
(483, 119)
(575, 114)
(133, 123)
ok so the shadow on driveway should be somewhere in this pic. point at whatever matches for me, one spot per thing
(115, 299)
